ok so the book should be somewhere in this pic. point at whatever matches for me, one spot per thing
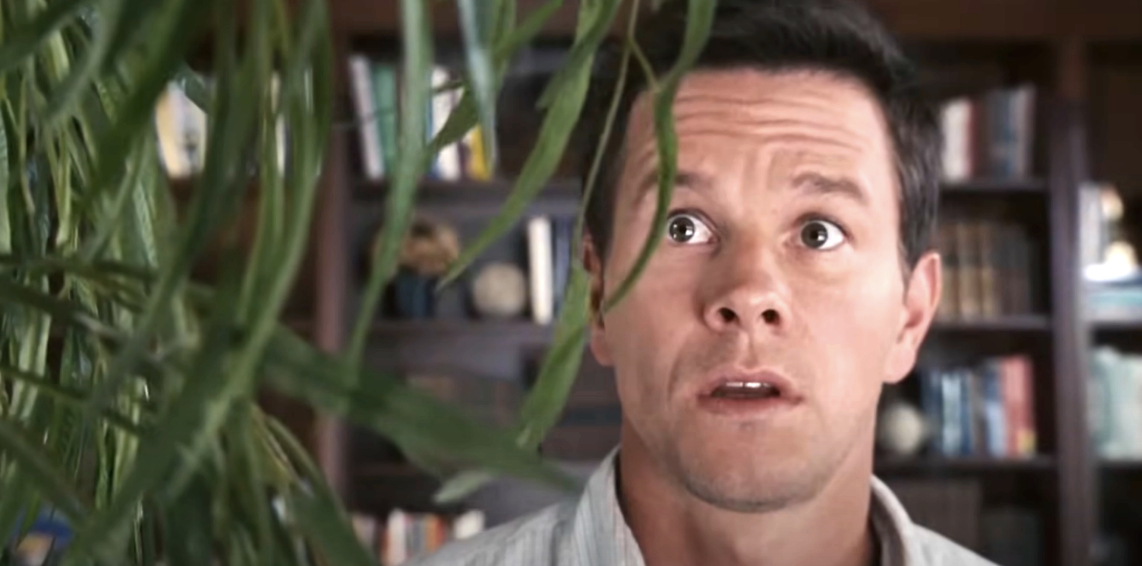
(365, 106)
(540, 269)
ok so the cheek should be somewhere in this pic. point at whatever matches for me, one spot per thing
(647, 331)
(855, 320)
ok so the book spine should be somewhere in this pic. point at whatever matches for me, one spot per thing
(540, 269)
(385, 91)
(996, 430)
(562, 232)
(955, 123)
(969, 267)
(364, 102)
(988, 267)
(443, 103)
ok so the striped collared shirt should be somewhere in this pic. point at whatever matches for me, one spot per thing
(591, 531)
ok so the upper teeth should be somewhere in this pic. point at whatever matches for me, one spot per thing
(748, 384)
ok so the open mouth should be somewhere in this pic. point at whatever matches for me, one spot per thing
(746, 390)
(748, 393)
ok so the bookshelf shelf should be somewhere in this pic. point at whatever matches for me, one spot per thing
(1121, 465)
(466, 189)
(516, 330)
(559, 196)
(966, 464)
(995, 185)
(1011, 323)
(1117, 324)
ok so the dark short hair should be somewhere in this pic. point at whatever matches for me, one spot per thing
(836, 36)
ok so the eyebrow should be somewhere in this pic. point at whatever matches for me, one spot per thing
(811, 182)
(682, 180)
(824, 185)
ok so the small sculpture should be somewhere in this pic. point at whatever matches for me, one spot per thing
(901, 429)
(499, 290)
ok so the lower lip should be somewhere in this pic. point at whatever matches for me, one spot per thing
(745, 407)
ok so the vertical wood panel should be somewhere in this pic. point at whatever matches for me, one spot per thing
(332, 269)
(1076, 522)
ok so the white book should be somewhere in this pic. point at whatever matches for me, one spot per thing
(468, 524)
(540, 269)
(448, 160)
(955, 123)
(364, 103)
(396, 538)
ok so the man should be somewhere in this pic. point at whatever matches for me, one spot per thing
(795, 278)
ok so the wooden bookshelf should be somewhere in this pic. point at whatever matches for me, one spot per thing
(1002, 324)
(982, 43)
(995, 186)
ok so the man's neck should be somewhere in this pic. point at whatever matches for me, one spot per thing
(673, 527)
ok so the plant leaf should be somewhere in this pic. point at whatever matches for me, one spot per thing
(548, 395)
(211, 197)
(313, 500)
(537, 170)
(22, 44)
(69, 395)
(182, 431)
(195, 88)
(41, 472)
(414, 420)
(178, 26)
(543, 405)
(5, 179)
(17, 295)
(476, 22)
(460, 121)
(18, 496)
(320, 518)
(111, 12)
(699, 18)
(595, 21)
(608, 126)
(523, 34)
(188, 520)
(411, 164)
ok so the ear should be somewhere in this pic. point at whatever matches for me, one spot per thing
(921, 298)
(593, 263)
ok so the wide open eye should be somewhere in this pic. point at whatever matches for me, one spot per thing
(821, 235)
(685, 228)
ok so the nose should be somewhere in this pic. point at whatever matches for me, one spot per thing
(746, 293)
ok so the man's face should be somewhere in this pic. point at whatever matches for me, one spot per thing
(750, 356)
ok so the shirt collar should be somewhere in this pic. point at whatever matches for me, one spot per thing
(600, 535)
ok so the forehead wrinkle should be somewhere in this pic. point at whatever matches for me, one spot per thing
(749, 103)
(769, 123)
(646, 157)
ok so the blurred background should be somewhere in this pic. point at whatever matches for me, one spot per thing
(1020, 434)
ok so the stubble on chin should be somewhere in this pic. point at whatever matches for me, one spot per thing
(754, 491)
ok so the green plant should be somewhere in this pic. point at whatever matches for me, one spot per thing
(127, 390)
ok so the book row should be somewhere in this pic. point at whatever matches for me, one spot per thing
(404, 535)
(990, 134)
(376, 96)
(988, 269)
(983, 410)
